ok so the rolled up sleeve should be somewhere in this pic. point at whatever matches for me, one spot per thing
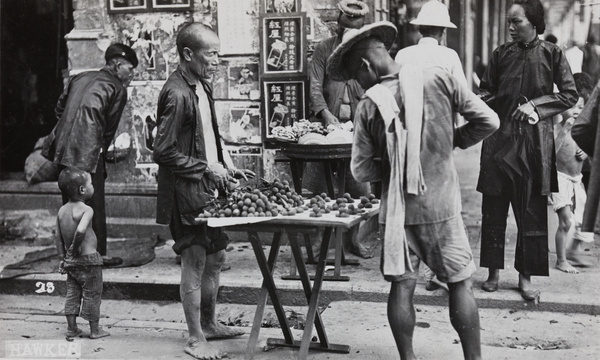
(364, 165)
(482, 121)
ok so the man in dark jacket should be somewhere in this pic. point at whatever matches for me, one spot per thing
(191, 159)
(88, 112)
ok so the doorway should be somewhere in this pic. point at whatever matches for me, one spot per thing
(33, 57)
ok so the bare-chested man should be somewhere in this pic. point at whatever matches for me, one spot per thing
(76, 243)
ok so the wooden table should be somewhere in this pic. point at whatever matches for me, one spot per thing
(291, 225)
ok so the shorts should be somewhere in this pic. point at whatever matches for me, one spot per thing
(212, 239)
(566, 191)
(84, 292)
(82, 261)
(442, 246)
(571, 193)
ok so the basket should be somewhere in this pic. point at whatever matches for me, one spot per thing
(316, 151)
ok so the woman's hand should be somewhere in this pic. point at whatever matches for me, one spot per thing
(526, 112)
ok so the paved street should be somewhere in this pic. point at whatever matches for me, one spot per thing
(156, 330)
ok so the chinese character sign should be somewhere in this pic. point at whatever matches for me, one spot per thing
(283, 45)
(284, 103)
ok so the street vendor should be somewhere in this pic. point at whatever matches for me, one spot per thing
(334, 102)
(404, 137)
(518, 165)
(192, 162)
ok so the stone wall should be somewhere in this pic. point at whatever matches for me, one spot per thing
(152, 35)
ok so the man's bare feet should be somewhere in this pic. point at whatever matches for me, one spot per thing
(99, 334)
(74, 333)
(566, 267)
(576, 259)
(203, 351)
(219, 331)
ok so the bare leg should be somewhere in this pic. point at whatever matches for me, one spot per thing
(575, 255)
(491, 284)
(401, 315)
(464, 316)
(72, 329)
(193, 260)
(562, 234)
(210, 287)
(96, 332)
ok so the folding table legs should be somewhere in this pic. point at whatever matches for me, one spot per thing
(267, 289)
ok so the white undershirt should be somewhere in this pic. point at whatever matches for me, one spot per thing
(210, 143)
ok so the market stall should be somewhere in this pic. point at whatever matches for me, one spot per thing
(335, 223)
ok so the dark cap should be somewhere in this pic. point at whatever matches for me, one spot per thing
(121, 50)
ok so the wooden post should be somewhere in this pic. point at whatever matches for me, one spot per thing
(485, 22)
(469, 43)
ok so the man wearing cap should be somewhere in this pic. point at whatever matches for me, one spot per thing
(333, 103)
(404, 137)
(433, 19)
(88, 113)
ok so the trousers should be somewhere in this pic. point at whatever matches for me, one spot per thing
(531, 254)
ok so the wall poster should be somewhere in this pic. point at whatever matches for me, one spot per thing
(131, 6)
(237, 26)
(281, 6)
(283, 44)
(285, 103)
(239, 121)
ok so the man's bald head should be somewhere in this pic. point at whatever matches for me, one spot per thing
(194, 36)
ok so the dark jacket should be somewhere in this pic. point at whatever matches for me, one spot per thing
(586, 133)
(88, 113)
(179, 144)
(518, 72)
(324, 92)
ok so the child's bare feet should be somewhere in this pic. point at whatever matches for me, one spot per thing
(74, 333)
(577, 259)
(219, 331)
(566, 267)
(99, 334)
(203, 351)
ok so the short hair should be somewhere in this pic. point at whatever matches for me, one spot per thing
(584, 85)
(430, 31)
(551, 38)
(70, 179)
(534, 12)
(191, 36)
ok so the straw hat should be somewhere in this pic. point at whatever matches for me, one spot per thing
(336, 67)
(434, 13)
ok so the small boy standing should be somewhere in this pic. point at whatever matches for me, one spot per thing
(76, 243)
(569, 202)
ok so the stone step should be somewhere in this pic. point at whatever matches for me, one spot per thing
(122, 200)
